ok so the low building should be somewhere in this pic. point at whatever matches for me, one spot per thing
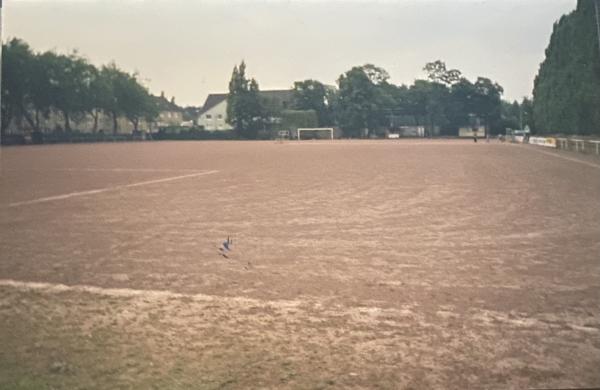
(472, 131)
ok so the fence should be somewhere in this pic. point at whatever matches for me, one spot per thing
(579, 145)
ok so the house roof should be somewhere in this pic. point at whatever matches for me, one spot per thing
(212, 100)
(275, 96)
(278, 97)
(165, 105)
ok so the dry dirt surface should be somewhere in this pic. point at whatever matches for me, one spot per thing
(355, 264)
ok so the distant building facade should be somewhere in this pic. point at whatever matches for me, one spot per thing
(169, 115)
(213, 116)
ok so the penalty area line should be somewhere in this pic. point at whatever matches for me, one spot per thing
(107, 189)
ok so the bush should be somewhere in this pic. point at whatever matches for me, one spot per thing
(184, 134)
(13, 139)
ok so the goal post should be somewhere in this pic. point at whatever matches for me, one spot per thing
(311, 129)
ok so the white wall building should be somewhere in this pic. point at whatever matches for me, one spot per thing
(214, 113)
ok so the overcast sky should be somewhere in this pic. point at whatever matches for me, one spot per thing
(188, 48)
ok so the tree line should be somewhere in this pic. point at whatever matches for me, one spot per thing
(36, 85)
(566, 94)
(366, 102)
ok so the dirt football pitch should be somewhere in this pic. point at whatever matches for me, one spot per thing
(355, 264)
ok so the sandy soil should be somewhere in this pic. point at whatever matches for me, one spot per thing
(409, 264)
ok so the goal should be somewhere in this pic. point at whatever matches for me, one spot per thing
(316, 129)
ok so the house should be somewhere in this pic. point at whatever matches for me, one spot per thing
(213, 116)
(214, 113)
(170, 114)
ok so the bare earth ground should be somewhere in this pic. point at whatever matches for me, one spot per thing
(409, 264)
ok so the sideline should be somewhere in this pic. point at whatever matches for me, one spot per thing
(101, 190)
(589, 164)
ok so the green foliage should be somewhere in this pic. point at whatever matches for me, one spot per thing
(517, 115)
(35, 84)
(244, 110)
(437, 72)
(135, 101)
(193, 134)
(428, 102)
(294, 119)
(67, 80)
(567, 87)
(447, 101)
(511, 115)
(17, 82)
(120, 94)
(312, 95)
(364, 95)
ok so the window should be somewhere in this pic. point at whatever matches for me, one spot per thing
(208, 116)
(219, 116)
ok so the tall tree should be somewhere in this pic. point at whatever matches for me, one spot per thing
(99, 97)
(527, 118)
(244, 110)
(437, 72)
(114, 77)
(17, 70)
(429, 102)
(567, 87)
(69, 78)
(313, 95)
(511, 115)
(488, 103)
(135, 102)
(362, 100)
(129, 98)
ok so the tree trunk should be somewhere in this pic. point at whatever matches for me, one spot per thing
(67, 121)
(6, 119)
(115, 123)
(135, 122)
(95, 115)
(29, 119)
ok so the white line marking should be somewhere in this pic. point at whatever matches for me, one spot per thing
(377, 143)
(100, 190)
(130, 293)
(102, 170)
(589, 164)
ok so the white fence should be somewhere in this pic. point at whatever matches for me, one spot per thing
(543, 141)
(579, 145)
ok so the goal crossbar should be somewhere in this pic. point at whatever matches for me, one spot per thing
(330, 129)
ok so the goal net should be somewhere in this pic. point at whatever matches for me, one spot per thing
(315, 133)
